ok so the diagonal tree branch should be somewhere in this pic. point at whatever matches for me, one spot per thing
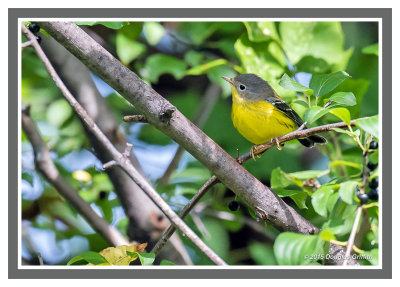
(146, 220)
(122, 161)
(46, 166)
(164, 116)
(300, 133)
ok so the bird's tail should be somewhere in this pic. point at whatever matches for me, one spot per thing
(312, 140)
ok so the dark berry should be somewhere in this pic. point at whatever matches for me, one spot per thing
(363, 197)
(34, 28)
(373, 194)
(233, 205)
(102, 194)
(39, 39)
(374, 183)
(371, 166)
(373, 145)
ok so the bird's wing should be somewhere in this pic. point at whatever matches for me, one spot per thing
(286, 109)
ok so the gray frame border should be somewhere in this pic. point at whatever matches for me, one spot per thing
(13, 217)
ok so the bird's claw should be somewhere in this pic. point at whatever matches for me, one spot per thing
(278, 145)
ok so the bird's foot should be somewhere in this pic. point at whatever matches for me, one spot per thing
(252, 152)
(278, 145)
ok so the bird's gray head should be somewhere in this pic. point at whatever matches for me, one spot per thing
(251, 87)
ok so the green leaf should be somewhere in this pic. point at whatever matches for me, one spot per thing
(326, 235)
(370, 125)
(261, 31)
(323, 84)
(279, 178)
(89, 256)
(191, 174)
(262, 254)
(111, 25)
(217, 237)
(300, 200)
(202, 69)
(154, 31)
(343, 98)
(324, 40)
(291, 85)
(371, 49)
(316, 112)
(193, 58)
(58, 112)
(146, 259)
(320, 199)
(257, 59)
(347, 190)
(128, 49)
(342, 113)
(159, 64)
(132, 30)
(166, 262)
(296, 249)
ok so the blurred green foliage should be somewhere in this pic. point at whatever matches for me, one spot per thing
(327, 71)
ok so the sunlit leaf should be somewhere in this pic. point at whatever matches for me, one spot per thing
(261, 31)
(320, 199)
(324, 40)
(290, 84)
(82, 175)
(154, 31)
(58, 112)
(127, 48)
(342, 113)
(347, 191)
(202, 69)
(370, 125)
(323, 84)
(343, 98)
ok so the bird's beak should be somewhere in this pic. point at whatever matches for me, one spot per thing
(229, 80)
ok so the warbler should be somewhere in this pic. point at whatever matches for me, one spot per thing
(260, 115)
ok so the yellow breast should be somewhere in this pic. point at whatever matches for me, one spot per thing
(260, 121)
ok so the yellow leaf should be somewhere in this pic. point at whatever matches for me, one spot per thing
(118, 256)
(82, 175)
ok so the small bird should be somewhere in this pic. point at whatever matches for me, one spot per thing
(260, 115)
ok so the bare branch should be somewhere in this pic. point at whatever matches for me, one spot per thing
(125, 165)
(159, 112)
(26, 44)
(146, 222)
(46, 166)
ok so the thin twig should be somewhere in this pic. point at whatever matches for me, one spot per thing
(299, 133)
(124, 164)
(26, 44)
(185, 211)
(353, 233)
(267, 205)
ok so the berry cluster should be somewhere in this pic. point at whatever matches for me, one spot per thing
(34, 28)
(373, 194)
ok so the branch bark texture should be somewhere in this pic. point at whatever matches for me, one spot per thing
(164, 116)
(122, 160)
(146, 220)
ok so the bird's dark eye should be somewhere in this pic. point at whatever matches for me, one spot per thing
(242, 87)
